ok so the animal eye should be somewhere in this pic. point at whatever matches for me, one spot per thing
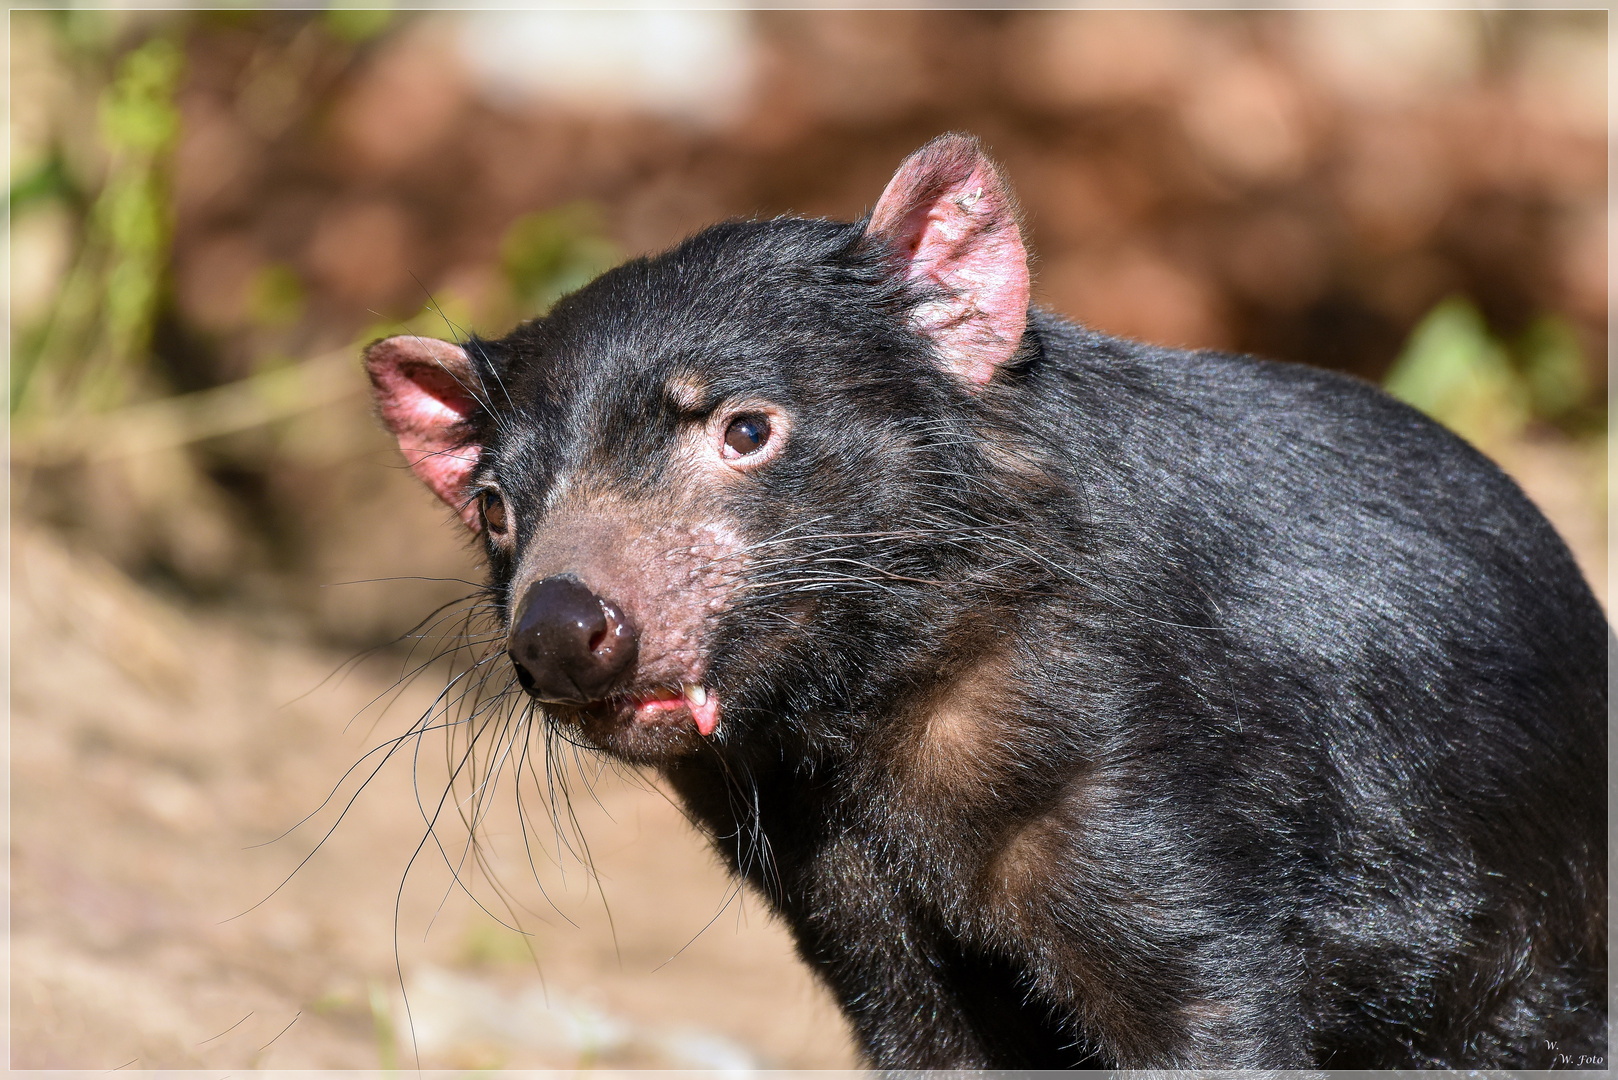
(746, 434)
(494, 512)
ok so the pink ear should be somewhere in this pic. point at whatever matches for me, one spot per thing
(425, 392)
(951, 217)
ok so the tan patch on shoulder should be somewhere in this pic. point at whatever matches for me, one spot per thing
(1026, 866)
(960, 737)
(1023, 864)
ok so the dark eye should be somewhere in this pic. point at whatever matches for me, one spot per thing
(494, 512)
(747, 433)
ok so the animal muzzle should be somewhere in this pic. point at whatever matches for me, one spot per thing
(569, 645)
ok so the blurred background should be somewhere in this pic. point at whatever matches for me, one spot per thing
(212, 211)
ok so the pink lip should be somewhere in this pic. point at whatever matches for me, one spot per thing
(706, 715)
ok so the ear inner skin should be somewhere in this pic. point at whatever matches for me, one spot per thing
(951, 217)
(426, 394)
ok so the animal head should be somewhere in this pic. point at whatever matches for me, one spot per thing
(720, 487)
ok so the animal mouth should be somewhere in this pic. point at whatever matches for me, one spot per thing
(661, 707)
(702, 704)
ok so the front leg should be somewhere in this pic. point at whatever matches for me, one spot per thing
(887, 970)
(915, 997)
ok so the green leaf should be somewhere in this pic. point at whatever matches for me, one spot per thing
(1553, 363)
(137, 110)
(357, 24)
(549, 254)
(1455, 371)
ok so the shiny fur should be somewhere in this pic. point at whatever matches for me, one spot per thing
(1101, 705)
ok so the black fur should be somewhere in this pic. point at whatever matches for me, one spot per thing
(1287, 739)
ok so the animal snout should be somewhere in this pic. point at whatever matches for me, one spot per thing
(569, 645)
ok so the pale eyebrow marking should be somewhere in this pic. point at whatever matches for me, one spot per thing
(687, 393)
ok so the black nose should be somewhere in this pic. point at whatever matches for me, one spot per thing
(569, 644)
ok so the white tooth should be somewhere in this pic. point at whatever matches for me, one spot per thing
(696, 695)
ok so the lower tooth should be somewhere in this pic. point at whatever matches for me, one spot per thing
(696, 695)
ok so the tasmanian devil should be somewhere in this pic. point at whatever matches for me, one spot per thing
(1073, 701)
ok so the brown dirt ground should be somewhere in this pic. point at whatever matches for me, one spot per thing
(154, 753)
(153, 749)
